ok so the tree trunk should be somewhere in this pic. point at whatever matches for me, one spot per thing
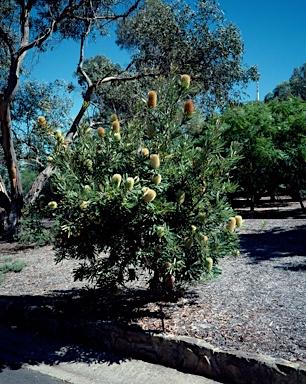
(5, 201)
(38, 185)
(15, 211)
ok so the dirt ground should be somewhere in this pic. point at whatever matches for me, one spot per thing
(257, 304)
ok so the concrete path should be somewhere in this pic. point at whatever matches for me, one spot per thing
(77, 365)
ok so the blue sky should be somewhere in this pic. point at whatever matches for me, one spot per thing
(274, 34)
(273, 31)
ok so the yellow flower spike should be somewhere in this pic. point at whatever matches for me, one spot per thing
(188, 243)
(145, 152)
(154, 161)
(231, 224)
(180, 196)
(52, 205)
(209, 263)
(116, 126)
(117, 137)
(189, 107)
(193, 228)
(58, 133)
(117, 179)
(42, 121)
(113, 117)
(129, 183)
(86, 188)
(101, 132)
(84, 205)
(185, 81)
(149, 195)
(238, 220)
(156, 179)
(152, 99)
(203, 238)
(160, 231)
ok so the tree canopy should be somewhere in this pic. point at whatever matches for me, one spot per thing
(295, 86)
(197, 41)
(272, 138)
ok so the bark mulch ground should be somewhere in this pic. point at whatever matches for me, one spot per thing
(257, 304)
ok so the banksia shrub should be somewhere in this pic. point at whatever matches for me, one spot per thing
(209, 263)
(203, 238)
(152, 99)
(156, 179)
(52, 204)
(117, 179)
(129, 183)
(42, 121)
(185, 81)
(160, 231)
(149, 195)
(154, 161)
(165, 222)
(231, 224)
(115, 126)
(189, 107)
(238, 220)
(145, 152)
(101, 132)
(84, 205)
(113, 117)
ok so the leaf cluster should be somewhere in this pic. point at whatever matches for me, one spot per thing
(272, 136)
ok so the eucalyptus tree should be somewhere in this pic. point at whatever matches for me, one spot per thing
(196, 40)
(295, 86)
(298, 82)
(28, 26)
(164, 38)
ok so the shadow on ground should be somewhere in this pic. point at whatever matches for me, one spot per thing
(19, 347)
(277, 243)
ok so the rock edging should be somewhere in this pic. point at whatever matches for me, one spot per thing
(186, 354)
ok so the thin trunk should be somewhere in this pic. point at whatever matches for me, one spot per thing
(252, 204)
(12, 167)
